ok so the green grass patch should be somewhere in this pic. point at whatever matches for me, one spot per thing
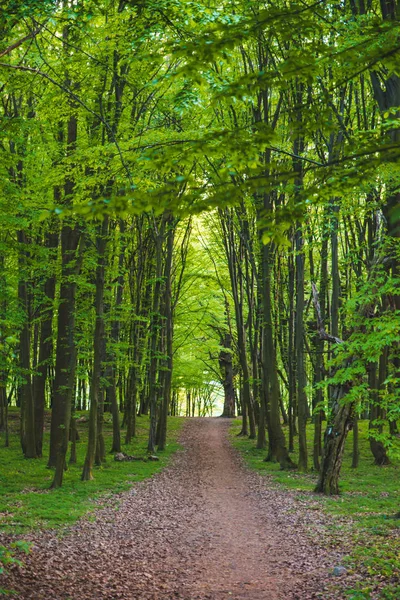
(370, 497)
(26, 503)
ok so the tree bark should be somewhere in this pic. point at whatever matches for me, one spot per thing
(169, 332)
(277, 444)
(155, 335)
(98, 347)
(45, 344)
(226, 367)
(335, 437)
(65, 352)
(27, 407)
(341, 422)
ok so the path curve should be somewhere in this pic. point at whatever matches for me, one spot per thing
(204, 528)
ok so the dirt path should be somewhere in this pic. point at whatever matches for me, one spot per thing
(205, 528)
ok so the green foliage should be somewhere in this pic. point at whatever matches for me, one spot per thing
(8, 557)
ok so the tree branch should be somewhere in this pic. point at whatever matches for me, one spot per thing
(65, 89)
(20, 42)
(320, 324)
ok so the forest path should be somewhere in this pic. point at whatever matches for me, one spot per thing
(204, 528)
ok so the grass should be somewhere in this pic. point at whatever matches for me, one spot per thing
(369, 498)
(26, 503)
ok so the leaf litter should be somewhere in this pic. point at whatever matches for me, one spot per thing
(206, 527)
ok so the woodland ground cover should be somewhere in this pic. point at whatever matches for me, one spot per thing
(369, 498)
(26, 503)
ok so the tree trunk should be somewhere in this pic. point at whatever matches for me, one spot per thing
(115, 334)
(291, 358)
(226, 367)
(155, 336)
(299, 342)
(319, 349)
(335, 437)
(27, 408)
(65, 353)
(277, 444)
(236, 279)
(375, 428)
(341, 422)
(74, 439)
(169, 332)
(45, 344)
(356, 450)
(98, 349)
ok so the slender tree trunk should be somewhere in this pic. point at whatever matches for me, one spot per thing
(277, 444)
(356, 450)
(319, 350)
(375, 428)
(74, 439)
(98, 348)
(236, 279)
(115, 334)
(168, 314)
(335, 268)
(262, 422)
(291, 358)
(226, 367)
(302, 406)
(300, 366)
(155, 336)
(341, 422)
(45, 345)
(27, 408)
(100, 455)
(65, 353)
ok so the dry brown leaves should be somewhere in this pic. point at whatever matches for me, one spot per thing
(204, 528)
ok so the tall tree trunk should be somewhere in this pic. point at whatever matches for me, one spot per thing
(292, 409)
(65, 353)
(226, 368)
(341, 422)
(155, 335)
(356, 450)
(300, 366)
(98, 356)
(319, 350)
(277, 444)
(46, 344)
(169, 332)
(115, 334)
(71, 238)
(27, 408)
(236, 279)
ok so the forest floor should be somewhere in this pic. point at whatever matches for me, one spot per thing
(206, 527)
